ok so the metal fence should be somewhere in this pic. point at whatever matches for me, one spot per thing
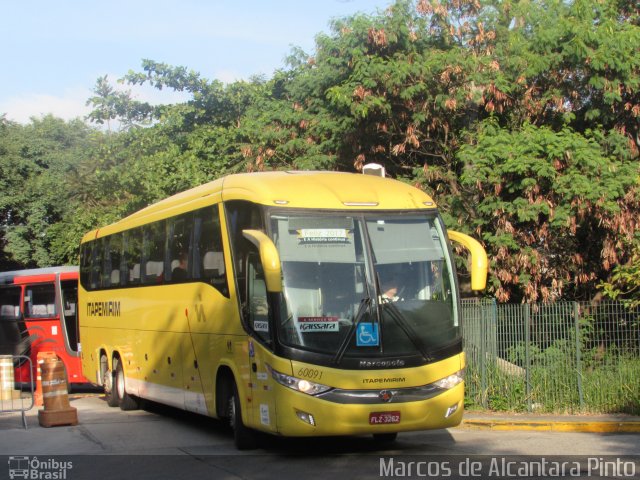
(16, 385)
(562, 357)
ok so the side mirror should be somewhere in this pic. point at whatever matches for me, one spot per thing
(269, 257)
(479, 261)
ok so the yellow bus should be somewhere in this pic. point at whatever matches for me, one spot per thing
(292, 303)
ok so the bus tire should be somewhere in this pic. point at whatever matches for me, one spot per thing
(126, 401)
(108, 382)
(243, 437)
(385, 437)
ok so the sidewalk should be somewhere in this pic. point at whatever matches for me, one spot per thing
(613, 423)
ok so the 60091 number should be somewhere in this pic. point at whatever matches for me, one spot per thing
(313, 373)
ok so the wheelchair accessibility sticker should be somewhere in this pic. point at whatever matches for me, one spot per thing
(367, 335)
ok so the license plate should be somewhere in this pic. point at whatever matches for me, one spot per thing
(384, 418)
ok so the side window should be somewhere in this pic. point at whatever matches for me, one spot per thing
(112, 261)
(85, 264)
(242, 215)
(14, 334)
(180, 267)
(208, 256)
(97, 260)
(40, 301)
(132, 255)
(258, 307)
(153, 253)
(9, 303)
(69, 291)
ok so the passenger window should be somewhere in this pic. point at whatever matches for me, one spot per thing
(14, 334)
(97, 264)
(133, 252)
(112, 267)
(153, 253)
(40, 301)
(180, 229)
(85, 264)
(9, 303)
(208, 254)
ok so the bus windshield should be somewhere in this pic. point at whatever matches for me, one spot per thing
(367, 285)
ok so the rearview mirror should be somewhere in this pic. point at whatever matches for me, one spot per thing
(269, 257)
(479, 261)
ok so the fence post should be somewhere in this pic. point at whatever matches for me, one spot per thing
(576, 317)
(483, 354)
(527, 355)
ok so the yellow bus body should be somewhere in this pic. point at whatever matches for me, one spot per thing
(172, 340)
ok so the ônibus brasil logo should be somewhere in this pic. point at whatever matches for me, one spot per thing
(36, 469)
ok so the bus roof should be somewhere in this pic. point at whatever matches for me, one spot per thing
(9, 277)
(293, 189)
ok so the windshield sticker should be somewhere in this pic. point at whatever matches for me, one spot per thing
(323, 235)
(367, 335)
(261, 326)
(318, 324)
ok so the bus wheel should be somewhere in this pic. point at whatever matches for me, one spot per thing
(107, 382)
(385, 437)
(243, 437)
(126, 401)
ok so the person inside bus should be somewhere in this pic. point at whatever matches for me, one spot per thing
(390, 290)
(179, 273)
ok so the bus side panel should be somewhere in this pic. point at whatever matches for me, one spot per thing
(169, 338)
(143, 327)
(90, 341)
(213, 321)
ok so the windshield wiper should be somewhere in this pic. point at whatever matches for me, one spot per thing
(364, 306)
(397, 317)
(408, 330)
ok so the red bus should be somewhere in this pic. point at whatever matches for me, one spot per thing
(38, 313)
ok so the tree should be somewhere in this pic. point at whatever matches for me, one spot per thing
(519, 118)
(110, 104)
(624, 282)
(555, 209)
(36, 196)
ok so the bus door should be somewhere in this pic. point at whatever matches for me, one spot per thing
(257, 314)
(68, 308)
(41, 317)
(68, 312)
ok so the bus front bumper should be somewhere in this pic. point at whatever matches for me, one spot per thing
(304, 415)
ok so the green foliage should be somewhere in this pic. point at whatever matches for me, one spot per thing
(37, 164)
(519, 118)
(553, 205)
(624, 282)
(110, 104)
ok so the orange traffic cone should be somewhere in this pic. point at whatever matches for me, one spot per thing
(42, 356)
(57, 410)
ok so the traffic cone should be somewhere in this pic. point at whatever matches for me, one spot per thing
(57, 410)
(41, 357)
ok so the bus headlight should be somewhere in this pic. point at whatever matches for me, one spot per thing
(450, 381)
(298, 384)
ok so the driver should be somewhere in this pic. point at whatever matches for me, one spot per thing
(390, 290)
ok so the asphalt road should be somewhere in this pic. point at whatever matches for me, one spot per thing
(160, 442)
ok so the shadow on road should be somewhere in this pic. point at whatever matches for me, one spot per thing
(406, 443)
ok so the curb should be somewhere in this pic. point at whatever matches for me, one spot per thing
(553, 426)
